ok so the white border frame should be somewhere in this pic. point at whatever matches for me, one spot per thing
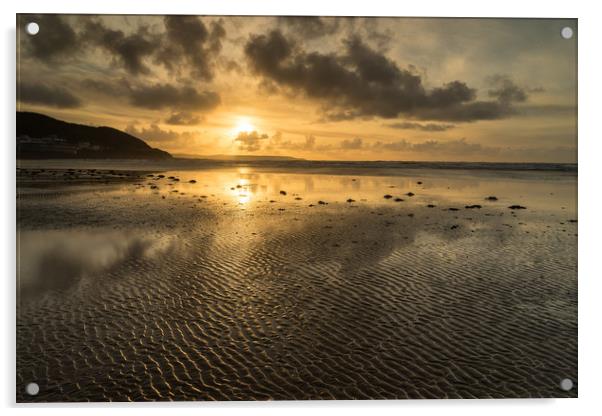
(590, 150)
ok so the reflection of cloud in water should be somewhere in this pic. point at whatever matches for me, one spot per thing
(347, 242)
(59, 259)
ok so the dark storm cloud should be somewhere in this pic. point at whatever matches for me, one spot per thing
(450, 94)
(183, 119)
(506, 91)
(187, 47)
(97, 85)
(430, 127)
(56, 38)
(159, 96)
(374, 33)
(310, 27)
(189, 40)
(362, 80)
(111, 87)
(364, 83)
(183, 102)
(128, 50)
(250, 141)
(41, 94)
(154, 133)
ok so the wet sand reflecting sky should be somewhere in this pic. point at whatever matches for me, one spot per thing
(148, 288)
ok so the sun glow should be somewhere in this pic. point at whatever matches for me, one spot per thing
(243, 125)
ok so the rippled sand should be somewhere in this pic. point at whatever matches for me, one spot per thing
(213, 292)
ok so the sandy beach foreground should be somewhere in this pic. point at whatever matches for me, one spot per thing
(249, 284)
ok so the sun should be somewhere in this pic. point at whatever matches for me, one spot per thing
(243, 125)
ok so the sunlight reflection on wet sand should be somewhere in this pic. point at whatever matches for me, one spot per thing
(549, 191)
(191, 285)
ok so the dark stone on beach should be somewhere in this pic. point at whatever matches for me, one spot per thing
(154, 187)
(398, 199)
(272, 201)
(171, 177)
(419, 183)
(517, 207)
(298, 198)
(310, 205)
(572, 220)
(453, 227)
(473, 206)
(282, 192)
(150, 176)
(350, 200)
(322, 203)
(192, 181)
(410, 194)
(453, 209)
(410, 215)
(491, 198)
(431, 206)
(388, 196)
(160, 176)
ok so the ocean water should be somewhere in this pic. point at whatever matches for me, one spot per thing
(342, 166)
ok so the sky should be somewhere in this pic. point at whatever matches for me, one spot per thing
(321, 88)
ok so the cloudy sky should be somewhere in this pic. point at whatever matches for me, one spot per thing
(309, 87)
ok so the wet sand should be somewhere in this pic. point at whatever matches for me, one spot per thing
(136, 287)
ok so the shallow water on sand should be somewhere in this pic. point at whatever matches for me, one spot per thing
(225, 288)
(549, 191)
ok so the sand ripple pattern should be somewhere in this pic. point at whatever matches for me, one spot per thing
(302, 304)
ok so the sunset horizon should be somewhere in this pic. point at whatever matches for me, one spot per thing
(352, 89)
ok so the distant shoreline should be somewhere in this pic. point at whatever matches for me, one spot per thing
(200, 163)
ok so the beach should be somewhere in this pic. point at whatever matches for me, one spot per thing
(274, 283)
